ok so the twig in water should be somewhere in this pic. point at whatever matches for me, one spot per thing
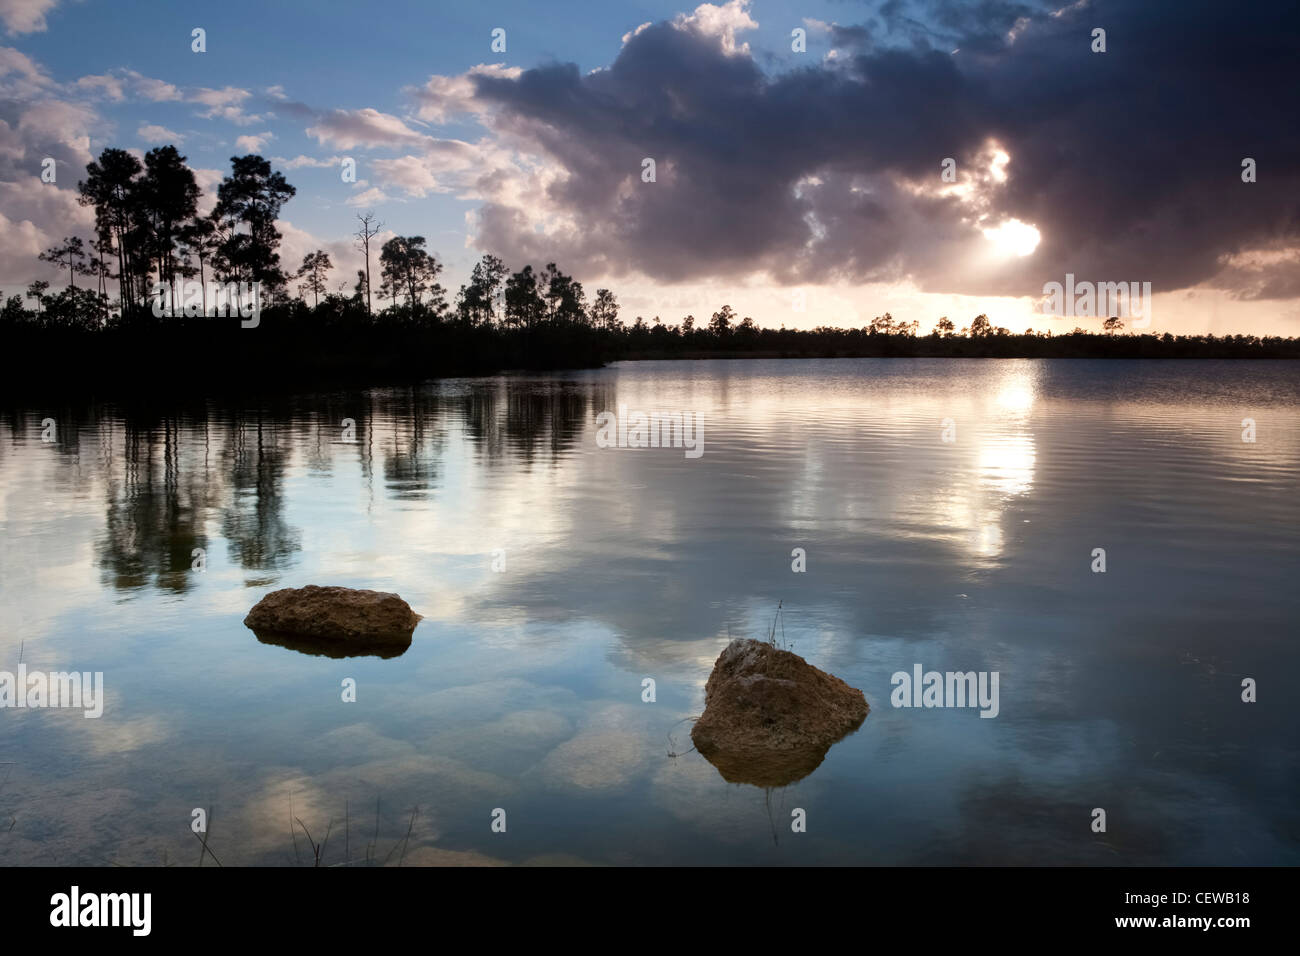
(326, 842)
(203, 840)
(403, 843)
(315, 849)
(672, 744)
(9, 765)
(402, 858)
(375, 840)
(292, 835)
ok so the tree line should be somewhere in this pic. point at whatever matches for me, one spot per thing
(149, 239)
(148, 231)
(149, 235)
(723, 337)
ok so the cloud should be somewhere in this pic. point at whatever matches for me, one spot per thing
(158, 134)
(226, 103)
(776, 169)
(25, 16)
(37, 124)
(631, 33)
(722, 22)
(56, 129)
(296, 242)
(20, 75)
(443, 98)
(349, 129)
(1269, 271)
(208, 181)
(104, 85)
(254, 143)
(1127, 163)
(373, 196)
(857, 36)
(444, 166)
(307, 162)
(120, 85)
(227, 96)
(156, 91)
(34, 216)
(411, 174)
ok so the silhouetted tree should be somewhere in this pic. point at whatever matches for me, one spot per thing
(97, 267)
(564, 298)
(408, 268)
(37, 291)
(476, 302)
(883, 324)
(166, 199)
(71, 253)
(368, 229)
(524, 305)
(604, 311)
(388, 290)
(723, 319)
(75, 309)
(109, 186)
(251, 198)
(315, 266)
(200, 237)
(13, 312)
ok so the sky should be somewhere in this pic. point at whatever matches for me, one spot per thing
(803, 187)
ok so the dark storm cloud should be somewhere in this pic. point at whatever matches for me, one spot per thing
(1128, 162)
(981, 26)
(854, 37)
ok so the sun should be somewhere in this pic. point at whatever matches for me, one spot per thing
(1013, 238)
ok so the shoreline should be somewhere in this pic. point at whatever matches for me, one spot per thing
(201, 359)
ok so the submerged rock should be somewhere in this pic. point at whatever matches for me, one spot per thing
(770, 716)
(334, 621)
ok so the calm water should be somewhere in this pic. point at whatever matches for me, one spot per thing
(522, 689)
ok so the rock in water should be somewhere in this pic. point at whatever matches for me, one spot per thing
(333, 619)
(770, 716)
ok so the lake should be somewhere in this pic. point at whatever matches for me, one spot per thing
(949, 514)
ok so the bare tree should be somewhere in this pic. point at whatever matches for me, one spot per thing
(370, 227)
